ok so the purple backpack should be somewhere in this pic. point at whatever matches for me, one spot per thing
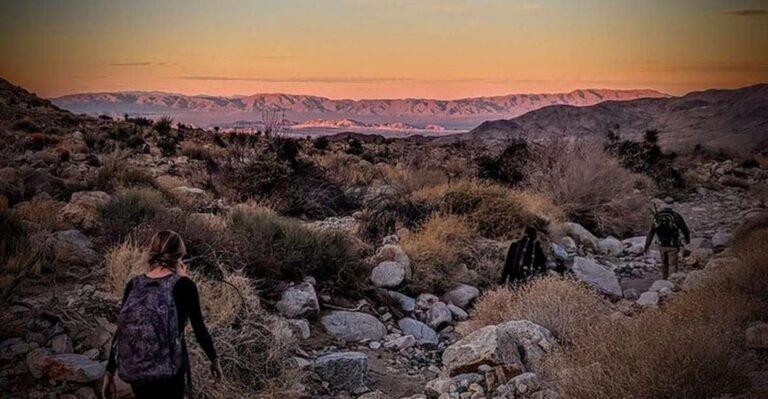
(149, 345)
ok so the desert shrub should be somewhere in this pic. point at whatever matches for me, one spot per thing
(348, 170)
(196, 151)
(354, 146)
(407, 179)
(114, 173)
(94, 140)
(26, 125)
(321, 143)
(38, 141)
(436, 251)
(564, 306)
(19, 254)
(592, 188)
(280, 248)
(692, 347)
(492, 210)
(164, 125)
(53, 131)
(42, 210)
(383, 215)
(507, 167)
(648, 158)
(130, 208)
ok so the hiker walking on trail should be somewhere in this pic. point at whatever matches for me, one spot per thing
(525, 258)
(149, 351)
(668, 226)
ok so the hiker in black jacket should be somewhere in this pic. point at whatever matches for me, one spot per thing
(525, 258)
(668, 226)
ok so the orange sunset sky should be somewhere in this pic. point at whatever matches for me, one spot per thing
(382, 48)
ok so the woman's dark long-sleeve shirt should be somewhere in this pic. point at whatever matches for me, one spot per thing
(187, 300)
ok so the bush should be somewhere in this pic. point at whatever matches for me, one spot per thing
(164, 125)
(196, 151)
(115, 174)
(564, 306)
(591, 187)
(26, 125)
(436, 252)
(492, 210)
(507, 167)
(130, 208)
(648, 158)
(41, 210)
(692, 347)
(279, 248)
(38, 141)
(321, 143)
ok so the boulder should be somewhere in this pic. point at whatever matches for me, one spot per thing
(757, 336)
(438, 316)
(721, 239)
(659, 284)
(64, 367)
(649, 298)
(577, 232)
(299, 301)
(388, 274)
(521, 386)
(631, 294)
(458, 313)
(406, 303)
(611, 247)
(344, 370)
(299, 328)
(71, 247)
(423, 334)
(439, 386)
(694, 280)
(37, 181)
(569, 244)
(353, 326)
(82, 211)
(486, 346)
(425, 301)
(634, 246)
(394, 253)
(533, 341)
(461, 296)
(597, 276)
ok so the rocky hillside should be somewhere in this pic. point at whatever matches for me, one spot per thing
(357, 268)
(718, 118)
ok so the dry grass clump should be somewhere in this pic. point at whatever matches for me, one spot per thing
(128, 209)
(348, 170)
(492, 210)
(591, 187)
(198, 151)
(42, 210)
(406, 179)
(122, 263)
(436, 251)
(692, 347)
(563, 305)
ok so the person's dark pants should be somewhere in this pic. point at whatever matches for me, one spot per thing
(167, 388)
(669, 258)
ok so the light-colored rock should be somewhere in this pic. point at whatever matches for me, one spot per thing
(665, 292)
(577, 232)
(394, 253)
(659, 284)
(299, 327)
(631, 294)
(569, 244)
(64, 367)
(401, 343)
(299, 300)
(406, 303)
(721, 239)
(634, 246)
(374, 395)
(344, 370)
(423, 334)
(439, 386)
(694, 280)
(458, 313)
(648, 298)
(71, 247)
(425, 301)
(82, 211)
(611, 246)
(536, 341)
(438, 316)
(461, 296)
(757, 336)
(388, 274)
(521, 386)
(353, 326)
(597, 276)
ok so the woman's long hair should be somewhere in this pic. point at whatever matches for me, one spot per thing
(166, 249)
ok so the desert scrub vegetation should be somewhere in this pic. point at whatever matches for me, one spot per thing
(128, 209)
(42, 210)
(436, 250)
(279, 248)
(691, 347)
(565, 306)
(591, 187)
(491, 210)
(647, 157)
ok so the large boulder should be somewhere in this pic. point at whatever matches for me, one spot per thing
(648, 299)
(577, 232)
(299, 301)
(597, 276)
(611, 246)
(353, 326)
(634, 246)
(64, 367)
(82, 211)
(423, 333)
(388, 274)
(71, 247)
(461, 296)
(519, 345)
(344, 370)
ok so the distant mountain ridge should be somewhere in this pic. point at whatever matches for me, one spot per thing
(307, 107)
(736, 118)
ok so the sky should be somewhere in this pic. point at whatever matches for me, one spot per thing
(382, 48)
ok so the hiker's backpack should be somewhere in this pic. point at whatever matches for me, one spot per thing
(149, 345)
(666, 227)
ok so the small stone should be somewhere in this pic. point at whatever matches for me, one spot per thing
(401, 343)
(659, 284)
(458, 313)
(648, 298)
(299, 301)
(423, 333)
(631, 294)
(344, 370)
(299, 327)
(461, 296)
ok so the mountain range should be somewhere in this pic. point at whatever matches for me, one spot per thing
(457, 114)
(735, 118)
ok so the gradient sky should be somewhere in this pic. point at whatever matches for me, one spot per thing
(382, 48)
